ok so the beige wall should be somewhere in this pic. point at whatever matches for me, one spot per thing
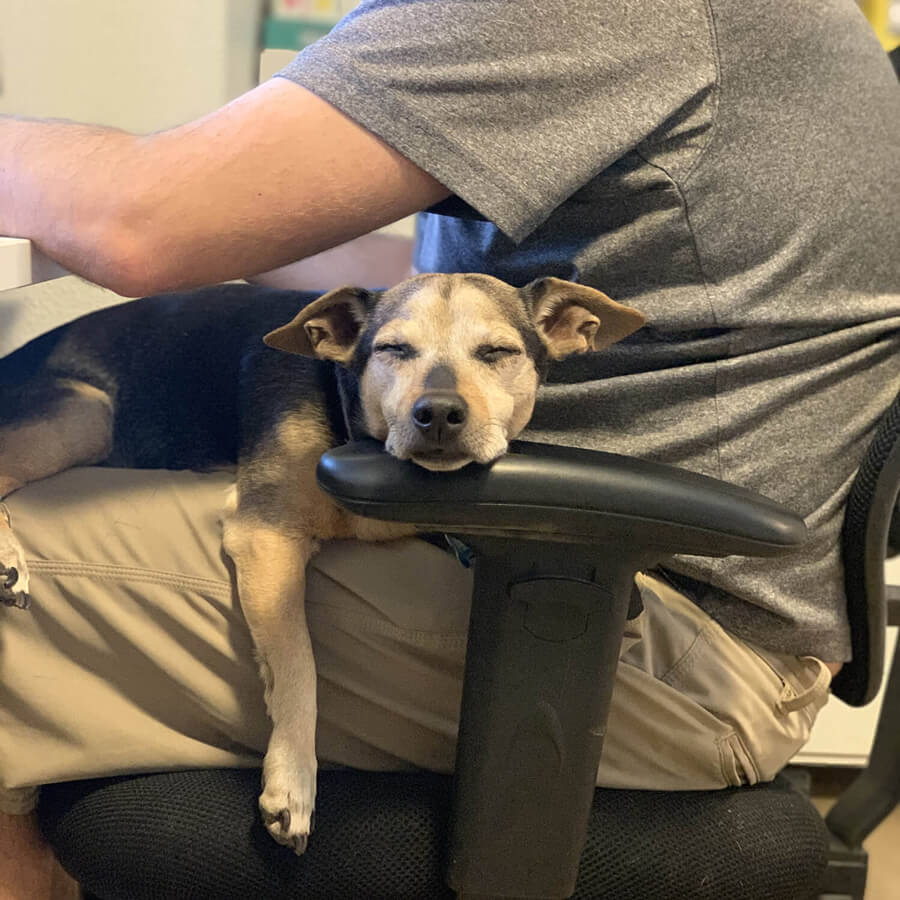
(135, 64)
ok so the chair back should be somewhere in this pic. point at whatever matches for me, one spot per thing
(871, 509)
(871, 532)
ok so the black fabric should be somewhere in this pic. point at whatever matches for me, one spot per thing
(198, 834)
(744, 844)
(380, 837)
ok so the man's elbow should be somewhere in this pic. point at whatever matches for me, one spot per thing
(131, 262)
(123, 269)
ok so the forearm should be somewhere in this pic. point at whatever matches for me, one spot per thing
(132, 213)
(60, 186)
(275, 176)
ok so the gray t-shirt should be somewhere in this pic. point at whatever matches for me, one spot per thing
(731, 169)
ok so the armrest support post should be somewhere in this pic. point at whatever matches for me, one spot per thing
(544, 639)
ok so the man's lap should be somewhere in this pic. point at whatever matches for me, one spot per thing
(135, 655)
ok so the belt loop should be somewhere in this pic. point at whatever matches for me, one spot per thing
(791, 701)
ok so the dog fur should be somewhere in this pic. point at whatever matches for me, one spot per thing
(443, 368)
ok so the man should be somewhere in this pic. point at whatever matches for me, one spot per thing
(730, 169)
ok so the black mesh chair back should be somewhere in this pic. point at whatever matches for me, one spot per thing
(870, 516)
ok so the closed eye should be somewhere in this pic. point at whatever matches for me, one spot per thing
(495, 353)
(398, 350)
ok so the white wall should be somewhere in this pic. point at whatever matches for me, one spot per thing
(134, 64)
(138, 65)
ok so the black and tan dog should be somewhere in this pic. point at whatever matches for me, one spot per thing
(443, 368)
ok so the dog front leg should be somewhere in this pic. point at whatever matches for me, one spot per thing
(57, 423)
(271, 578)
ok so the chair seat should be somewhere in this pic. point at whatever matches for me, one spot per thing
(380, 836)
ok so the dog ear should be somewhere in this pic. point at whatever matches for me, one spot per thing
(573, 318)
(328, 328)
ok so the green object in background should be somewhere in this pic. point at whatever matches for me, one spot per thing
(293, 35)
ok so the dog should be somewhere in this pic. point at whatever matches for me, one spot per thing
(444, 369)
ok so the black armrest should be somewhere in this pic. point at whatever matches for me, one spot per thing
(558, 535)
(545, 492)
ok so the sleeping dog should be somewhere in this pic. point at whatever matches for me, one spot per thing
(442, 368)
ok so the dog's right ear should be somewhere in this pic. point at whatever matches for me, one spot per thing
(328, 328)
(574, 318)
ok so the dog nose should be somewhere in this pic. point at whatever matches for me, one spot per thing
(439, 415)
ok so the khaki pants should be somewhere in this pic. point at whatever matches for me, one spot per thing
(135, 655)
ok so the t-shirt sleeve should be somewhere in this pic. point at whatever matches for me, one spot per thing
(513, 105)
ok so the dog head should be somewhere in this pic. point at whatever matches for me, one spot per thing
(448, 365)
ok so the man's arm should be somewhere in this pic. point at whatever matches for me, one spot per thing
(274, 176)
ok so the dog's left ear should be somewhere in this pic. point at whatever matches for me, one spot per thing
(328, 328)
(573, 318)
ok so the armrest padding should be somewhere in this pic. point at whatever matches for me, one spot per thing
(546, 492)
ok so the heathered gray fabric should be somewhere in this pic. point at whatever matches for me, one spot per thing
(732, 169)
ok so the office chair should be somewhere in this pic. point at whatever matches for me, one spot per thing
(557, 534)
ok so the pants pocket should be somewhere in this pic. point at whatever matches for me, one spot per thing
(769, 701)
(660, 738)
(695, 707)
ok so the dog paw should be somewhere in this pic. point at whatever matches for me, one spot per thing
(287, 803)
(14, 576)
